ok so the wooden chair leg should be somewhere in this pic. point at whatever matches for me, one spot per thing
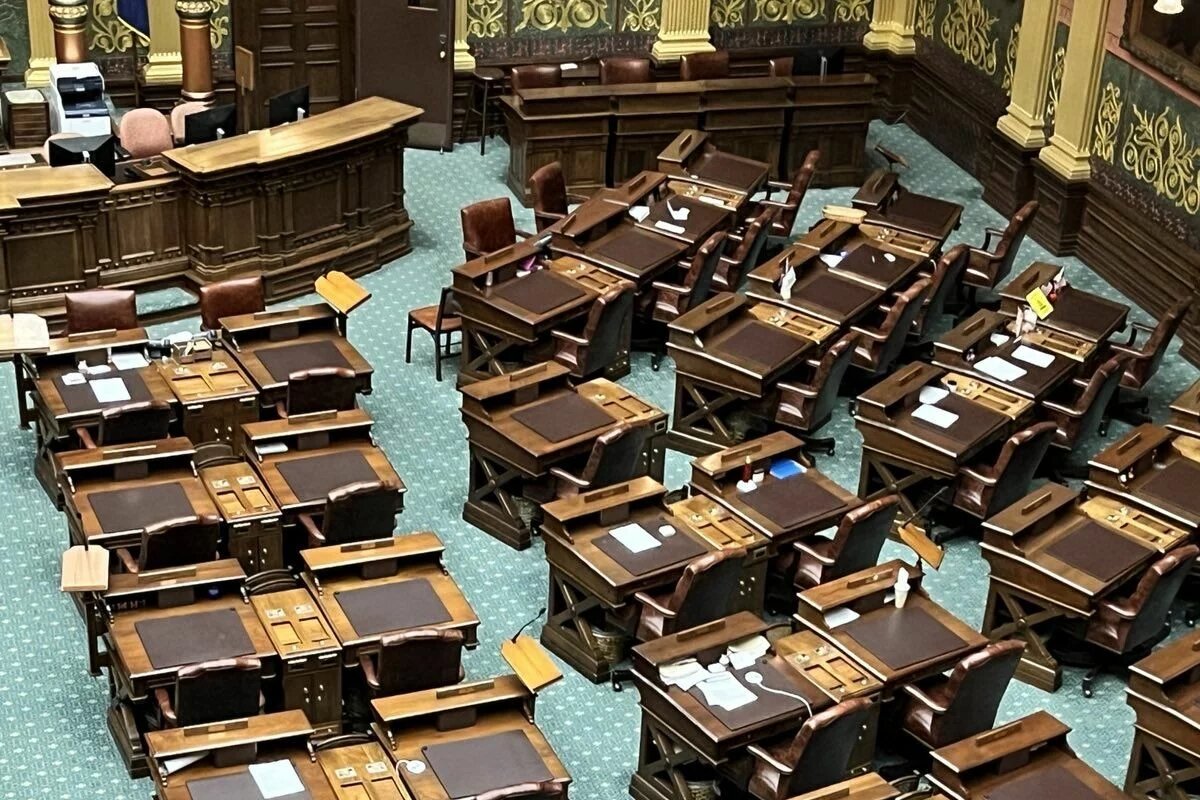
(437, 355)
(408, 342)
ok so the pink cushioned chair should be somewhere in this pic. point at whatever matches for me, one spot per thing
(144, 132)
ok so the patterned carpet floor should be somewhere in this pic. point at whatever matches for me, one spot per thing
(53, 740)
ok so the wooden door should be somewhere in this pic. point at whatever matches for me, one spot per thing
(404, 51)
(281, 45)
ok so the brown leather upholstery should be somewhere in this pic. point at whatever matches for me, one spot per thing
(605, 338)
(785, 222)
(817, 756)
(358, 512)
(536, 76)
(414, 660)
(781, 67)
(704, 66)
(673, 300)
(806, 406)
(101, 310)
(175, 543)
(880, 344)
(212, 691)
(546, 790)
(1143, 362)
(945, 710)
(134, 422)
(549, 189)
(615, 457)
(1122, 624)
(987, 268)
(743, 251)
(229, 299)
(706, 591)
(325, 389)
(487, 226)
(624, 69)
(856, 544)
(983, 489)
(944, 284)
(1078, 413)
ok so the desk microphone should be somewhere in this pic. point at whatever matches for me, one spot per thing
(527, 624)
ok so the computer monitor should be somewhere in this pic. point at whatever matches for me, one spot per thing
(287, 107)
(99, 151)
(210, 125)
(819, 61)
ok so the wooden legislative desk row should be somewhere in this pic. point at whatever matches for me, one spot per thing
(603, 135)
(289, 203)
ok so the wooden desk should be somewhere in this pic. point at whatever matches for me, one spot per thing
(507, 455)
(632, 252)
(1185, 411)
(1054, 555)
(288, 203)
(918, 214)
(694, 156)
(270, 345)
(253, 523)
(920, 640)
(216, 398)
(1028, 759)
(1164, 691)
(593, 577)
(901, 454)
(1152, 469)
(1077, 312)
(862, 787)
(361, 772)
(370, 589)
(410, 726)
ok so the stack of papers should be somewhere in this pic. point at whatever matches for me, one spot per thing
(935, 416)
(635, 538)
(110, 390)
(1000, 369)
(639, 212)
(840, 616)
(663, 225)
(932, 395)
(685, 674)
(724, 690)
(1030, 355)
(831, 259)
(744, 653)
(276, 779)
(133, 360)
(999, 339)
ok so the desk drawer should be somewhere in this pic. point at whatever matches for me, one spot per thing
(258, 544)
(219, 420)
(313, 684)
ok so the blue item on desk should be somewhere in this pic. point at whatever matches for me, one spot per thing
(786, 468)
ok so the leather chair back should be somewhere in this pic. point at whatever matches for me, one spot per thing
(608, 329)
(699, 277)
(947, 276)
(746, 253)
(325, 389)
(821, 749)
(216, 691)
(1155, 593)
(781, 67)
(360, 512)
(536, 76)
(1019, 459)
(179, 543)
(704, 66)
(624, 69)
(487, 226)
(229, 299)
(860, 536)
(549, 189)
(419, 659)
(974, 691)
(1094, 400)
(827, 380)
(1001, 262)
(706, 590)
(615, 456)
(101, 310)
(134, 422)
(144, 132)
(545, 790)
(898, 323)
(1139, 370)
(785, 223)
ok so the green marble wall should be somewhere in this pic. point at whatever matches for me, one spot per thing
(14, 27)
(980, 34)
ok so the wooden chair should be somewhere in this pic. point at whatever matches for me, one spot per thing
(785, 221)
(313, 391)
(881, 342)
(101, 310)
(550, 198)
(704, 66)
(143, 421)
(412, 661)
(536, 76)
(1078, 412)
(602, 345)
(982, 488)
(743, 251)
(229, 299)
(212, 691)
(488, 226)
(441, 322)
(816, 756)
(624, 69)
(991, 264)
(806, 405)
(171, 543)
(856, 544)
(358, 512)
(947, 709)
(669, 301)
(1142, 362)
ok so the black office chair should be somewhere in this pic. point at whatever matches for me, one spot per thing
(816, 756)
(142, 421)
(313, 391)
(414, 660)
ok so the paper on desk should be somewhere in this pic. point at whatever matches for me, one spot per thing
(712, 201)
(133, 360)
(935, 416)
(639, 212)
(276, 779)
(173, 765)
(270, 448)
(1000, 369)
(999, 339)
(932, 395)
(840, 616)
(17, 160)
(786, 283)
(685, 674)
(73, 379)
(669, 227)
(635, 538)
(723, 689)
(568, 65)
(1030, 355)
(94, 369)
(678, 214)
(745, 652)
(110, 390)
(831, 259)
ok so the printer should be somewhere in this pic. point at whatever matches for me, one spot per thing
(77, 100)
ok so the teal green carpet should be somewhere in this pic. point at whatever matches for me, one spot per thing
(53, 741)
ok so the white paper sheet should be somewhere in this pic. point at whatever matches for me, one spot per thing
(712, 201)
(1030, 355)
(932, 395)
(998, 339)
(831, 259)
(840, 616)
(663, 225)
(935, 416)
(133, 360)
(73, 379)
(1000, 369)
(685, 674)
(678, 214)
(786, 284)
(276, 779)
(635, 538)
(173, 765)
(110, 390)
(639, 212)
(726, 691)
(17, 160)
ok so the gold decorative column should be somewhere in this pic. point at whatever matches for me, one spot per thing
(893, 27)
(684, 30)
(41, 44)
(1025, 120)
(195, 21)
(463, 60)
(69, 21)
(164, 62)
(1069, 149)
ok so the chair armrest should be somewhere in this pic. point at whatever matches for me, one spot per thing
(781, 185)
(281, 409)
(85, 438)
(987, 480)
(162, 699)
(576, 198)
(989, 233)
(663, 286)
(1126, 348)
(1059, 408)
(524, 234)
(562, 474)
(762, 755)
(915, 693)
(808, 551)
(791, 388)
(127, 560)
(1119, 610)
(567, 337)
(647, 600)
(766, 201)
(734, 237)
(367, 663)
(306, 521)
(873, 335)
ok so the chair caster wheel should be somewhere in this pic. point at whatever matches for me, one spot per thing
(654, 365)
(1088, 692)
(616, 684)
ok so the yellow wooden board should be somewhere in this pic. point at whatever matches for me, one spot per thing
(85, 569)
(531, 663)
(341, 291)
